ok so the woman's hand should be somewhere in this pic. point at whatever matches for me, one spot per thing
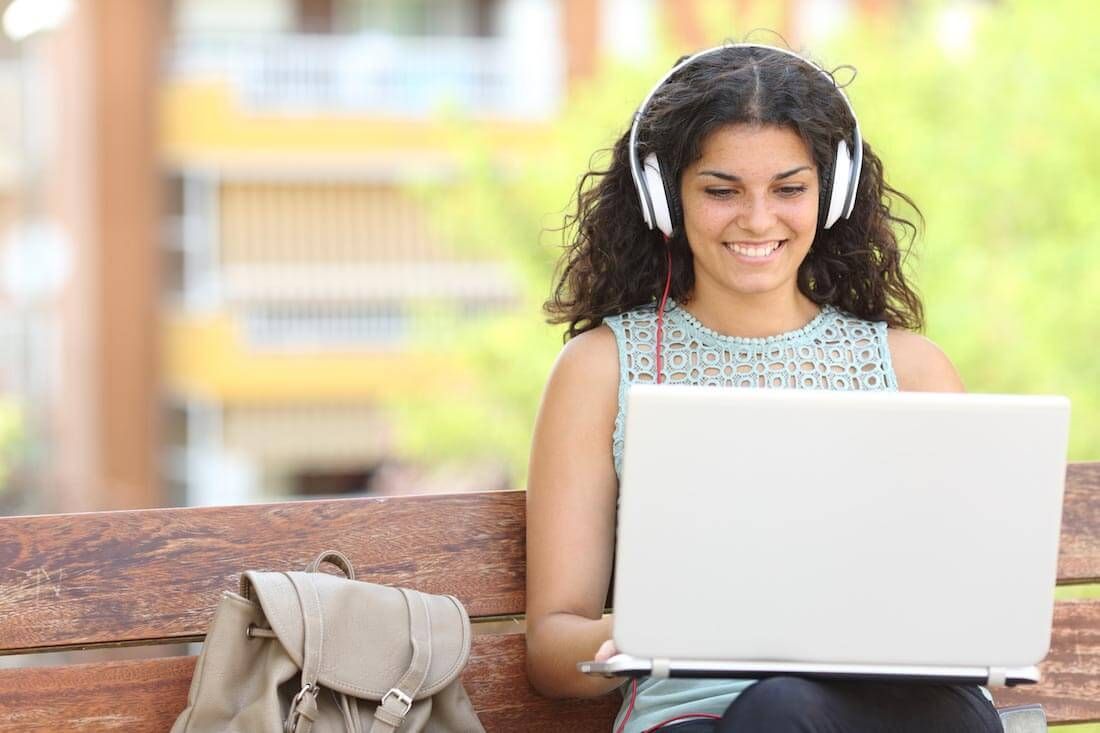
(606, 651)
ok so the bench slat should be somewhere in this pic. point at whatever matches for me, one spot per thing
(82, 579)
(1079, 553)
(146, 696)
(1070, 686)
(156, 575)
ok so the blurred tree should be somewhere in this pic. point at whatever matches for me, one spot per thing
(510, 210)
(984, 113)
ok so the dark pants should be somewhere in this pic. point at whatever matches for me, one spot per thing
(782, 704)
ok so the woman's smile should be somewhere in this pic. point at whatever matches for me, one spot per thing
(755, 253)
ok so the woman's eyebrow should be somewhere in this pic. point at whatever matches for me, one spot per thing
(737, 179)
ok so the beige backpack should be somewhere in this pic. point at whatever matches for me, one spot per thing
(309, 652)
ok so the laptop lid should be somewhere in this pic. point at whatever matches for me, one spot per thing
(852, 528)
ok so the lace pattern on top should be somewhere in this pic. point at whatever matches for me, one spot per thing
(835, 350)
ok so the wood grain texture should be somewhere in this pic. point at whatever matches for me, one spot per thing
(141, 696)
(1070, 686)
(1079, 554)
(146, 696)
(82, 579)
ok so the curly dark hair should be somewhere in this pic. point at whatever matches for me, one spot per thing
(612, 262)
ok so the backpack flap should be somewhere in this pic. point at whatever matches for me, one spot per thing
(365, 631)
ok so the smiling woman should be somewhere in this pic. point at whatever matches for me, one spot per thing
(777, 264)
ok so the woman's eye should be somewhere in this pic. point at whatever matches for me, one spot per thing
(791, 190)
(720, 193)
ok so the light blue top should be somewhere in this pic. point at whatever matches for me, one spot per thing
(835, 350)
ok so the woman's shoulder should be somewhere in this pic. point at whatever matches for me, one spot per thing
(920, 364)
(581, 393)
(592, 350)
(589, 362)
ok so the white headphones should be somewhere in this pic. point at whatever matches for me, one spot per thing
(655, 194)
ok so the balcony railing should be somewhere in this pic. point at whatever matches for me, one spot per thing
(357, 282)
(378, 75)
(321, 306)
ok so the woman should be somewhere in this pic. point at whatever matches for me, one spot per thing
(775, 232)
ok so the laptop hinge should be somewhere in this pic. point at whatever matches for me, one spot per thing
(997, 676)
(661, 668)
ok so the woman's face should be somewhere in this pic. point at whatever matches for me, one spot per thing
(750, 209)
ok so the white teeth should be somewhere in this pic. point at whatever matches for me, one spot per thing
(754, 251)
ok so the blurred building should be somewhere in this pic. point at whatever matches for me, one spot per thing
(299, 261)
(218, 253)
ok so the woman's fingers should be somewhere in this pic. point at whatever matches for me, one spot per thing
(606, 651)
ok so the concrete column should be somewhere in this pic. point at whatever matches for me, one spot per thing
(103, 187)
(581, 37)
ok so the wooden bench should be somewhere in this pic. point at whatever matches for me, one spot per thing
(101, 580)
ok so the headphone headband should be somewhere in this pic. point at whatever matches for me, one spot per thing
(841, 201)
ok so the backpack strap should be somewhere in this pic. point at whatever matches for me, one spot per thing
(303, 708)
(397, 702)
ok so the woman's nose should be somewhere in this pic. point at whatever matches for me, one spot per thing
(756, 214)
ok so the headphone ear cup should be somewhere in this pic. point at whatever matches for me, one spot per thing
(825, 195)
(853, 178)
(675, 206)
(839, 183)
(658, 194)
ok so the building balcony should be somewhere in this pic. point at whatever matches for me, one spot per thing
(377, 75)
(306, 332)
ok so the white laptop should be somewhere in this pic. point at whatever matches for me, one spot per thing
(841, 534)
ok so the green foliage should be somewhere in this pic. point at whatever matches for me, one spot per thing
(11, 439)
(996, 146)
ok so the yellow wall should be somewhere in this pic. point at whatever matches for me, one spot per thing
(203, 123)
(207, 357)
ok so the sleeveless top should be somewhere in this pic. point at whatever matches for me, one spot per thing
(835, 350)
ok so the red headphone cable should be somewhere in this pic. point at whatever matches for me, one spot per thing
(682, 718)
(661, 309)
(660, 329)
(630, 708)
(663, 723)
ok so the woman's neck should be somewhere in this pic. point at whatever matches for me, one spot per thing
(753, 316)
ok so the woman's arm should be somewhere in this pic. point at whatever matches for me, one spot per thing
(571, 494)
(920, 365)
